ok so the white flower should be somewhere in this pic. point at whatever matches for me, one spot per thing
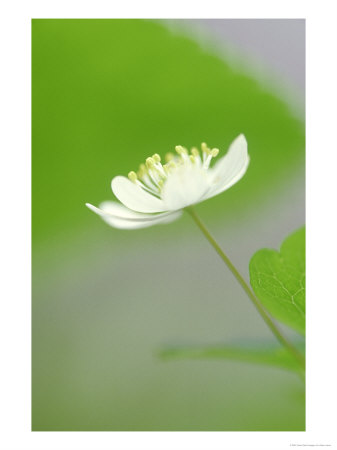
(159, 192)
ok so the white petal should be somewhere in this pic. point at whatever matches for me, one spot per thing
(134, 197)
(231, 167)
(185, 186)
(118, 216)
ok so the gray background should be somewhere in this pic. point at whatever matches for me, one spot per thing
(277, 46)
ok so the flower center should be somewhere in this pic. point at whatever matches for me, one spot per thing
(152, 175)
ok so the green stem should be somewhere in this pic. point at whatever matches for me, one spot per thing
(275, 330)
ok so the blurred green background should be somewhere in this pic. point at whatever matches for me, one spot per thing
(105, 95)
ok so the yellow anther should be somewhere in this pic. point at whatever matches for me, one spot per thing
(160, 183)
(132, 176)
(181, 150)
(142, 170)
(214, 152)
(204, 147)
(169, 156)
(195, 151)
(156, 158)
(192, 158)
(150, 162)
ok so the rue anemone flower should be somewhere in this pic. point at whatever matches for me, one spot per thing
(158, 193)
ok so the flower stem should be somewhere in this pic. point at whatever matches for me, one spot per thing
(275, 330)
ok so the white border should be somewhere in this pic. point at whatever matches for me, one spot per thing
(321, 219)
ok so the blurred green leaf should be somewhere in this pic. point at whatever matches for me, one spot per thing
(263, 353)
(108, 93)
(278, 279)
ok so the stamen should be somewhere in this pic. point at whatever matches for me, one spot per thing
(152, 175)
(181, 150)
(146, 179)
(169, 157)
(195, 152)
(166, 168)
(132, 176)
(207, 161)
(149, 162)
(212, 154)
(142, 170)
(156, 158)
(160, 169)
(205, 152)
(169, 166)
(204, 148)
(147, 188)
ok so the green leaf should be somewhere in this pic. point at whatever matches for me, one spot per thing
(265, 353)
(278, 279)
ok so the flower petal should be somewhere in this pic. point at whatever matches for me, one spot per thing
(185, 186)
(118, 216)
(134, 197)
(230, 168)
